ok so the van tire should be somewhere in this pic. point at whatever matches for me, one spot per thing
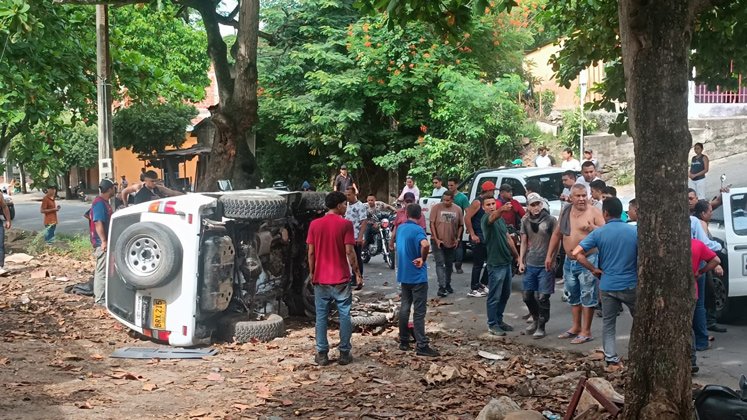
(312, 200)
(373, 320)
(242, 328)
(253, 207)
(726, 308)
(162, 262)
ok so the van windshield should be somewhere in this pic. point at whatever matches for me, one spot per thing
(551, 185)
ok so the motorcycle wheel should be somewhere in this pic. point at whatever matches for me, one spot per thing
(365, 255)
(389, 260)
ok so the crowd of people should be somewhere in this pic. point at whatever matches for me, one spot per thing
(598, 236)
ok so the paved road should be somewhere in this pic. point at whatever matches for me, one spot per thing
(70, 217)
(722, 364)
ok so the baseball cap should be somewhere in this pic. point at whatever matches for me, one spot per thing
(343, 166)
(505, 187)
(488, 186)
(409, 197)
(517, 162)
(587, 151)
(533, 198)
(105, 184)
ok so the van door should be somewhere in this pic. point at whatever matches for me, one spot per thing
(735, 229)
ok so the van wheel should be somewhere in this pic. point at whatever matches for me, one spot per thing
(243, 328)
(726, 309)
(253, 206)
(147, 255)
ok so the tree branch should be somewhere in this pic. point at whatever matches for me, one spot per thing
(230, 21)
(216, 48)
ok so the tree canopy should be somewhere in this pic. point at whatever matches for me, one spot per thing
(147, 129)
(344, 88)
(48, 68)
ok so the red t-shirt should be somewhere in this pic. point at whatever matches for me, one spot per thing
(700, 253)
(512, 217)
(329, 235)
(401, 217)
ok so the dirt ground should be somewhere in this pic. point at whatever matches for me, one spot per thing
(55, 347)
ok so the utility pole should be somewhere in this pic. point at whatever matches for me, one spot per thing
(582, 81)
(103, 93)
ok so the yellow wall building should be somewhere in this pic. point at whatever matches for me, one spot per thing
(536, 63)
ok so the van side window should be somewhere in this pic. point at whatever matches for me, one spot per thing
(739, 213)
(484, 180)
(516, 186)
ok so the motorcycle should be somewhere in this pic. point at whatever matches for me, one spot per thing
(379, 240)
(79, 191)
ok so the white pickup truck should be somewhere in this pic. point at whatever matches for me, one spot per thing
(729, 227)
(551, 186)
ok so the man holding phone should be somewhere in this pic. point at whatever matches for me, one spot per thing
(446, 232)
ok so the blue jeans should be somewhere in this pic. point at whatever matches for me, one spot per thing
(699, 317)
(537, 279)
(499, 283)
(581, 287)
(49, 233)
(342, 295)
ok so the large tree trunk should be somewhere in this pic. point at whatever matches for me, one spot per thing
(236, 114)
(655, 44)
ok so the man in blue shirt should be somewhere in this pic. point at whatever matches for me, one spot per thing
(617, 243)
(99, 218)
(412, 275)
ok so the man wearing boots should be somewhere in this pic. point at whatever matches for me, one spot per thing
(539, 283)
(617, 245)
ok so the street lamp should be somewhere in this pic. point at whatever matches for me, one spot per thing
(583, 78)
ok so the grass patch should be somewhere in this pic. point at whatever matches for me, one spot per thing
(74, 246)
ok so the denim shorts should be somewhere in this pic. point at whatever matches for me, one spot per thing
(581, 287)
(537, 279)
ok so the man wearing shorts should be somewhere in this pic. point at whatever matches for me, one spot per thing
(581, 288)
(539, 283)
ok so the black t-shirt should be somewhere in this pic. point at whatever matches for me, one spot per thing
(145, 195)
(343, 182)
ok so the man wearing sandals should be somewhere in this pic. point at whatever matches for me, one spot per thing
(581, 288)
(617, 243)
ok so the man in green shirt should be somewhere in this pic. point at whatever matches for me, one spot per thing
(461, 200)
(501, 251)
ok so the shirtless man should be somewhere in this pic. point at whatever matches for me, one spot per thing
(581, 287)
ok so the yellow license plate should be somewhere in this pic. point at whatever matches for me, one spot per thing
(159, 314)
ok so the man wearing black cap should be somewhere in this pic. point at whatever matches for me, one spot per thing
(513, 211)
(343, 181)
(149, 191)
(99, 218)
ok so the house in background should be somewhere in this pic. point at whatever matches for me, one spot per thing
(702, 102)
(177, 167)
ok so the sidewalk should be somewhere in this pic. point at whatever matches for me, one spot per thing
(32, 196)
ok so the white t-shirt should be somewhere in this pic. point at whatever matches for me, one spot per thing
(582, 180)
(438, 192)
(571, 165)
(542, 161)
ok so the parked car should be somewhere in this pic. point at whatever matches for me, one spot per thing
(729, 227)
(188, 269)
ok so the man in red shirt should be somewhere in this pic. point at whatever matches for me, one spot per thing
(701, 254)
(330, 249)
(513, 217)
